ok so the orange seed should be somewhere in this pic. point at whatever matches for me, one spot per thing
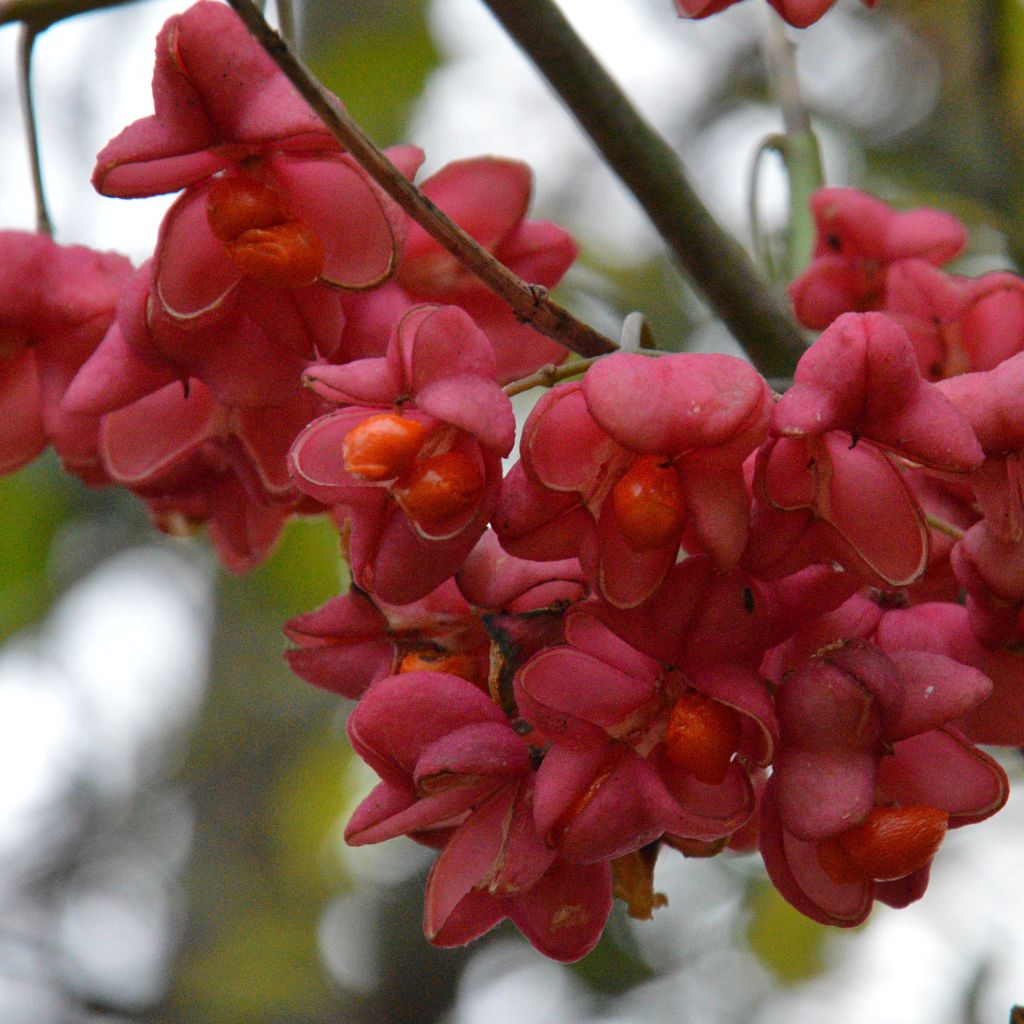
(263, 240)
(702, 736)
(648, 503)
(891, 842)
(238, 204)
(440, 487)
(383, 447)
(452, 662)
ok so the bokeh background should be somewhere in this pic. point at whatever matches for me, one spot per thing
(172, 800)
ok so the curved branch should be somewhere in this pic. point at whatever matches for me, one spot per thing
(652, 171)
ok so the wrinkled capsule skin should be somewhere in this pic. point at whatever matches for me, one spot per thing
(891, 843)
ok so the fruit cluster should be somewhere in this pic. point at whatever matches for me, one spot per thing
(695, 614)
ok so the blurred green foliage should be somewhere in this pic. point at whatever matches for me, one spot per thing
(258, 963)
(303, 571)
(376, 56)
(305, 814)
(33, 504)
(790, 945)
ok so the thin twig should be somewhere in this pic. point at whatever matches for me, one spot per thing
(652, 171)
(26, 40)
(943, 527)
(529, 302)
(548, 376)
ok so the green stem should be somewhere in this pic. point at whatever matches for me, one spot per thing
(26, 42)
(529, 302)
(652, 171)
(798, 147)
(802, 163)
(802, 158)
(943, 527)
(548, 376)
(763, 252)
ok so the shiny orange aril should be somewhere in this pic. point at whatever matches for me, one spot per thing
(452, 662)
(648, 504)
(238, 204)
(702, 736)
(383, 447)
(264, 241)
(441, 487)
(891, 842)
(286, 255)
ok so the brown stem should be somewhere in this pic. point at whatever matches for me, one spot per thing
(529, 302)
(652, 171)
